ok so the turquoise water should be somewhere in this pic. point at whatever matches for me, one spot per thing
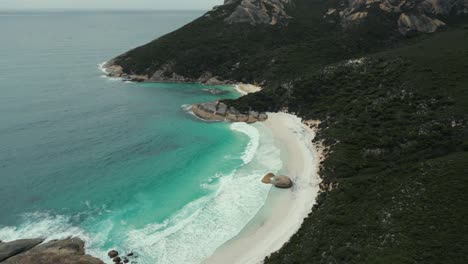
(121, 165)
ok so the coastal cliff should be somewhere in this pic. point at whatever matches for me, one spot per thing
(388, 80)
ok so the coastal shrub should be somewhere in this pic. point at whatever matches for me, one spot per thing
(398, 159)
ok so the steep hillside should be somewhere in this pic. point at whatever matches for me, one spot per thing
(266, 40)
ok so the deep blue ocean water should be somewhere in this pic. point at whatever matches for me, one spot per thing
(121, 165)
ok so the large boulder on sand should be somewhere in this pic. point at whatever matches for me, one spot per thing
(283, 182)
(279, 181)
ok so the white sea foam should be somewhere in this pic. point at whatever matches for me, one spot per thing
(190, 234)
(50, 227)
(239, 90)
(186, 107)
(102, 68)
(194, 232)
(106, 73)
(254, 142)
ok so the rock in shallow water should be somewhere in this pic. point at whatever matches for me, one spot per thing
(112, 254)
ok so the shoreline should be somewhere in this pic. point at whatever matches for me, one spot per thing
(284, 210)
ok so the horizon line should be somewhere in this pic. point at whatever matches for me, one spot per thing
(97, 9)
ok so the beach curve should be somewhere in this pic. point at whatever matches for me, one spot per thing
(284, 210)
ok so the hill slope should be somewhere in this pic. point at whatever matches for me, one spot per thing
(396, 177)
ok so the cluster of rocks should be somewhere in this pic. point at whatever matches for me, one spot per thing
(257, 12)
(414, 15)
(114, 255)
(218, 111)
(279, 181)
(34, 251)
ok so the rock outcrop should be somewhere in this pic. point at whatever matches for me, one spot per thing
(279, 181)
(257, 12)
(414, 15)
(267, 178)
(218, 111)
(9, 249)
(418, 23)
(112, 254)
(66, 251)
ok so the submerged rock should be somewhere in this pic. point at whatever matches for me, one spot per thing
(215, 91)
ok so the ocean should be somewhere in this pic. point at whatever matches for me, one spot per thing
(121, 165)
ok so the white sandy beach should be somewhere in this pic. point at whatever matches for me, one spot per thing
(284, 210)
(244, 89)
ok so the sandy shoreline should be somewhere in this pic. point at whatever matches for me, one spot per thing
(284, 210)
(244, 89)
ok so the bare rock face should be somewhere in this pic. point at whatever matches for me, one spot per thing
(217, 111)
(66, 251)
(414, 15)
(9, 249)
(257, 12)
(418, 23)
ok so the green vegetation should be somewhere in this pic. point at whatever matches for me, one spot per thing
(261, 53)
(396, 178)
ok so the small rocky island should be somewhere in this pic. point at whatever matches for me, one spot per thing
(34, 251)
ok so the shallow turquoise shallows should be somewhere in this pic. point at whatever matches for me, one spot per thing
(121, 165)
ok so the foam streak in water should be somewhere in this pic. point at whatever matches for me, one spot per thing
(254, 136)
